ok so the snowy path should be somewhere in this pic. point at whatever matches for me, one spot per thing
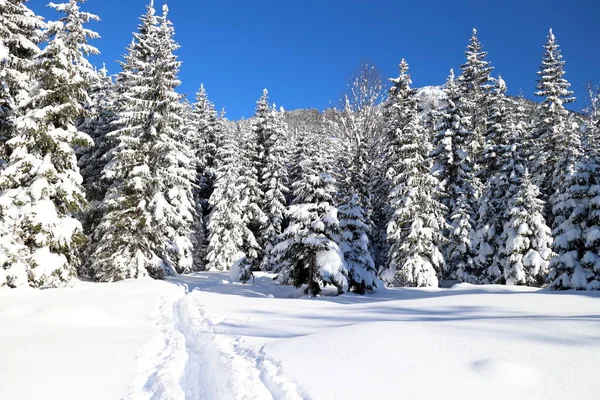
(189, 359)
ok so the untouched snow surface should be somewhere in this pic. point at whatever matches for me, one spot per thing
(202, 337)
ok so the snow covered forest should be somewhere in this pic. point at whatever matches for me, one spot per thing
(112, 177)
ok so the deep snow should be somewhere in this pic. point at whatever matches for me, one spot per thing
(202, 337)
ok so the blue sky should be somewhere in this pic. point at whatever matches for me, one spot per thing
(303, 51)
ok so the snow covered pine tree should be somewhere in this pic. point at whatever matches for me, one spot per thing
(417, 227)
(308, 253)
(41, 184)
(453, 166)
(147, 224)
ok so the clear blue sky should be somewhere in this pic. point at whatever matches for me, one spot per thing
(303, 51)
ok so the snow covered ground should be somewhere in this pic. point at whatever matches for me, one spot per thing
(201, 337)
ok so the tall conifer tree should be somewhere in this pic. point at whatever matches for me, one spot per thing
(454, 168)
(417, 227)
(147, 225)
(41, 184)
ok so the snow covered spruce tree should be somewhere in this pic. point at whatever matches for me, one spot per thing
(41, 184)
(556, 142)
(591, 257)
(527, 240)
(577, 217)
(502, 161)
(92, 161)
(418, 223)
(251, 192)
(231, 245)
(176, 166)
(20, 34)
(354, 243)
(453, 166)
(475, 83)
(269, 158)
(147, 224)
(593, 120)
(308, 253)
(206, 133)
(577, 228)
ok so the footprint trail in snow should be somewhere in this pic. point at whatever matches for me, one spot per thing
(189, 359)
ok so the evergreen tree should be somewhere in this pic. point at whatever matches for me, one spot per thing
(308, 252)
(20, 34)
(475, 84)
(147, 224)
(175, 161)
(354, 243)
(556, 142)
(204, 137)
(590, 140)
(41, 184)
(577, 217)
(591, 258)
(124, 242)
(206, 133)
(231, 245)
(304, 145)
(527, 239)
(502, 161)
(577, 231)
(92, 161)
(269, 129)
(415, 231)
(251, 193)
(453, 166)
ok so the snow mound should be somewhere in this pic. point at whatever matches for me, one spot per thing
(508, 372)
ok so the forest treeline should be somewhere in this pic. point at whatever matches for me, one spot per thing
(111, 177)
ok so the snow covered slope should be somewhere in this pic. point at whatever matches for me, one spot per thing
(78, 343)
(202, 337)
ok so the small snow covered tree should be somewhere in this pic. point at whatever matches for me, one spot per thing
(308, 253)
(41, 184)
(417, 225)
(527, 239)
(453, 166)
(354, 243)
(577, 229)
(231, 245)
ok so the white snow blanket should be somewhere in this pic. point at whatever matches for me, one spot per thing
(202, 337)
